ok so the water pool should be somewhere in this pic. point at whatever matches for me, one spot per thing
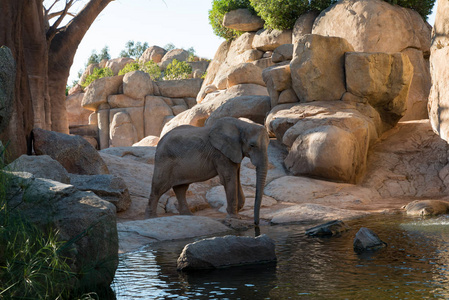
(414, 265)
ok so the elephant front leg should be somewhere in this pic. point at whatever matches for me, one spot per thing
(180, 192)
(229, 179)
(240, 195)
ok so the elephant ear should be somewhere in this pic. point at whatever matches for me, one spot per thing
(225, 136)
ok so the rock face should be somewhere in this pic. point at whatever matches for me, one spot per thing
(427, 208)
(83, 220)
(41, 166)
(439, 95)
(317, 68)
(226, 251)
(7, 80)
(409, 161)
(74, 153)
(382, 27)
(242, 20)
(108, 187)
(366, 240)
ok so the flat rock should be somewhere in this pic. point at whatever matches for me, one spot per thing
(165, 229)
(310, 213)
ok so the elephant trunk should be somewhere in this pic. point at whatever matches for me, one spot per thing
(261, 176)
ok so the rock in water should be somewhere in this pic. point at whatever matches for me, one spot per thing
(366, 240)
(328, 229)
(427, 207)
(226, 251)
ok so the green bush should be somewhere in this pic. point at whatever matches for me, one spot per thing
(282, 14)
(216, 15)
(149, 67)
(177, 70)
(97, 74)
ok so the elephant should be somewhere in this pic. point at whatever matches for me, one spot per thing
(189, 154)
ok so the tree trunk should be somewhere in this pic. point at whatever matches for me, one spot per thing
(61, 53)
(43, 64)
(22, 30)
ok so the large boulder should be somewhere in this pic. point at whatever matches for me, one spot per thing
(427, 208)
(303, 26)
(137, 84)
(270, 39)
(106, 186)
(282, 53)
(178, 54)
(326, 139)
(244, 73)
(153, 53)
(226, 251)
(242, 20)
(7, 80)
(179, 88)
(122, 132)
(382, 27)
(254, 108)
(98, 91)
(198, 114)
(82, 220)
(41, 166)
(137, 176)
(123, 101)
(117, 64)
(439, 94)
(317, 68)
(76, 114)
(278, 79)
(74, 153)
(382, 79)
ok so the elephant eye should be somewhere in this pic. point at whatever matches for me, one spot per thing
(252, 145)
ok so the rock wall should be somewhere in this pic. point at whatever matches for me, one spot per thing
(439, 68)
(124, 109)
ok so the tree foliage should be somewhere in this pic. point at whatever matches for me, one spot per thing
(95, 58)
(97, 74)
(423, 7)
(216, 15)
(282, 14)
(134, 49)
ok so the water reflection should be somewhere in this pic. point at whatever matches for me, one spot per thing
(415, 265)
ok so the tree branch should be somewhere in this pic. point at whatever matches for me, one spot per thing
(53, 29)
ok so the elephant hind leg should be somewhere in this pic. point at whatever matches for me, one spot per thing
(180, 192)
(156, 192)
